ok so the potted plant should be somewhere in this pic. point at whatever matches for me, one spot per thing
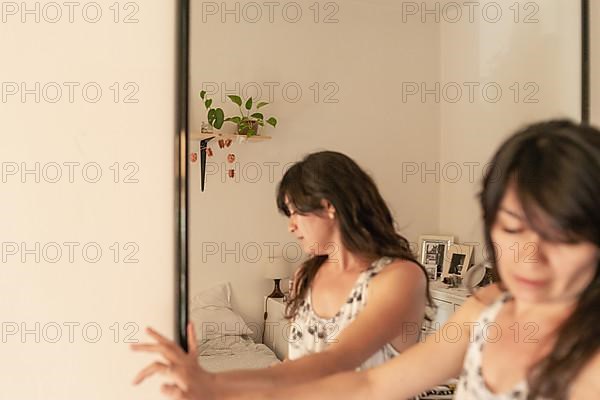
(248, 121)
(215, 116)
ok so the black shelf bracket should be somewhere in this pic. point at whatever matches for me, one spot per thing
(203, 145)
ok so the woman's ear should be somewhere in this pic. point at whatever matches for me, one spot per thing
(329, 208)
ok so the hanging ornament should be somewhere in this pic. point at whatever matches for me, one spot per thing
(194, 157)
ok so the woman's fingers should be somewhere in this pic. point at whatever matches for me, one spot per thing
(192, 350)
(178, 366)
(177, 372)
(166, 351)
(173, 391)
(161, 339)
(155, 367)
(164, 346)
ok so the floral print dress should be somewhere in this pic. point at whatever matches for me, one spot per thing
(312, 334)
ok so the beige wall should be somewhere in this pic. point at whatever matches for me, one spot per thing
(54, 292)
(365, 58)
(542, 58)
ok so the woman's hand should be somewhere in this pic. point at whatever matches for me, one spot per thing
(191, 382)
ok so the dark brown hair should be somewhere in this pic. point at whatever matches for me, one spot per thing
(366, 224)
(555, 167)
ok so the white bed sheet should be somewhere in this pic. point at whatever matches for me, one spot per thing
(234, 352)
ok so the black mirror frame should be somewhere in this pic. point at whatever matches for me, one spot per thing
(181, 146)
(585, 61)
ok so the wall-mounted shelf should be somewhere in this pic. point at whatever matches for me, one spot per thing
(204, 138)
(219, 135)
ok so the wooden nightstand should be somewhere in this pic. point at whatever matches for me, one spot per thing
(277, 328)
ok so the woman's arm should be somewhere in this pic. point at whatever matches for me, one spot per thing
(396, 302)
(413, 371)
(419, 368)
(396, 305)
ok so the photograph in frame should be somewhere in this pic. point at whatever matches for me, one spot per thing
(433, 250)
(458, 260)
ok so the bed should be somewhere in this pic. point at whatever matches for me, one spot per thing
(234, 352)
(224, 340)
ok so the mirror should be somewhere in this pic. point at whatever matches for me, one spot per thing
(592, 61)
(419, 94)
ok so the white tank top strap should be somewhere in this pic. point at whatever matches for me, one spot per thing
(471, 385)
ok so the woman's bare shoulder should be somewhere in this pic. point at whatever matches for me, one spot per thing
(481, 299)
(402, 264)
(400, 280)
(402, 270)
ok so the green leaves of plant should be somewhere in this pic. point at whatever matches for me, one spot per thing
(219, 118)
(236, 120)
(247, 124)
(216, 117)
(236, 99)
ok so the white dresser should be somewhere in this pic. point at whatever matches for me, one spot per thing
(447, 300)
(277, 328)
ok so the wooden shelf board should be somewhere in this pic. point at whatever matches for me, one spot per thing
(219, 135)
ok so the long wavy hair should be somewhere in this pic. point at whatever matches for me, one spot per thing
(365, 222)
(555, 167)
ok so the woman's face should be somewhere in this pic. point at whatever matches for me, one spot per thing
(314, 231)
(536, 270)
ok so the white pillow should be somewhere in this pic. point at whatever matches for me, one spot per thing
(210, 324)
(212, 314)
(218, 296)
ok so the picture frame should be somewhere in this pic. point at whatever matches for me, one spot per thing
(458, 260)
(431, 270)
(433, 250)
